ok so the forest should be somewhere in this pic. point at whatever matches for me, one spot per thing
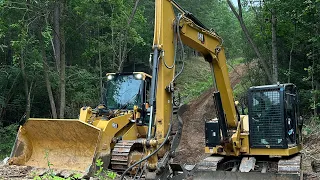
(54, 54)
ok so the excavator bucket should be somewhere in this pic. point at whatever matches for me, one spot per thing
(59, 143)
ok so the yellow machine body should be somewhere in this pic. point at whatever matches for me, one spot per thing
(209, 44)
(75, 144)
(172, 29)
(241, 138)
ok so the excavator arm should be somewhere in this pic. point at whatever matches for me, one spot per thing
(170, 29)
(174, 27)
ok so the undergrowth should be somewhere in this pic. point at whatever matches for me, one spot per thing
(7, 139)
(100, 173)
(195, 79)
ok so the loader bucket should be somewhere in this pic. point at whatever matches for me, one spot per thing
(66, 144)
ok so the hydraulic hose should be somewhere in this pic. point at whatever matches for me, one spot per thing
(177, 31)
(182, 47)
(147, 157)
(153, 153)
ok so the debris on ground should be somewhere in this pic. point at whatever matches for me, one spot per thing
(311, 152)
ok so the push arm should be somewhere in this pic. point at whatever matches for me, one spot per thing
(198, 37)
(170, 28)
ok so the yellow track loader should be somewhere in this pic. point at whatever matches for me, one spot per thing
(110, 132)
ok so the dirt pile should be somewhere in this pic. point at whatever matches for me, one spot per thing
(194, 114)
(310, 152)
(191, 147)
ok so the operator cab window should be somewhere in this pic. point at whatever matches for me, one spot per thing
(266, 116)
(123, 92)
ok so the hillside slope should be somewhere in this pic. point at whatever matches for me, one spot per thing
(197, 77)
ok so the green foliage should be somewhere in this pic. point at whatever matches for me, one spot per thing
(47, 34)
(50, 175)
(99, 164)
(195, 79)
(82, 90)
(236, 61)
(8, 135)
(216, 15)
(103, 174)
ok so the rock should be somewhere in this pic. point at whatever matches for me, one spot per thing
(5, 160)
(315, 166)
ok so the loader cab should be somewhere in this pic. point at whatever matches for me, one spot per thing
(273, 116)
(123, 91)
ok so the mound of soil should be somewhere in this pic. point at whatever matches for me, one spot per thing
(311, 152)
(194, 114)
(191, 147)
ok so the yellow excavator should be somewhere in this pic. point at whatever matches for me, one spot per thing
(132, 131)
(266, 142)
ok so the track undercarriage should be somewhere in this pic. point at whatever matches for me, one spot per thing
(124, 154)
(218, 167)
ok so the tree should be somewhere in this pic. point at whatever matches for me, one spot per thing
(274, 46)
(250, 40)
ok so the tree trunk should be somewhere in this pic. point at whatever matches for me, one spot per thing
(113, 54)
(62, 76)
(314, 84)
(112, 43)
(124, 38)
(274, 46)
(290, 62)
(26, 86)
(62, 63)
(47, 80)
(56, 34)
(316, 98)
(120, 55)
(100, 66)
(246, 32)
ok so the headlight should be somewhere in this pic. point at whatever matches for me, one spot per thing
(138, 76)
(110, 77)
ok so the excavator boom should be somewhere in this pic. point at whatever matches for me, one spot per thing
(244, 142)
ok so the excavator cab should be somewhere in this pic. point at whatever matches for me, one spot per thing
(125, 91)
(273, 116)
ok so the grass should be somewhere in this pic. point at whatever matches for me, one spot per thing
(236, 61)
(100, 173)
(195, 79)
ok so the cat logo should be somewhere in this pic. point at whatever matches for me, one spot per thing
(115, 125)
(201, 37)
